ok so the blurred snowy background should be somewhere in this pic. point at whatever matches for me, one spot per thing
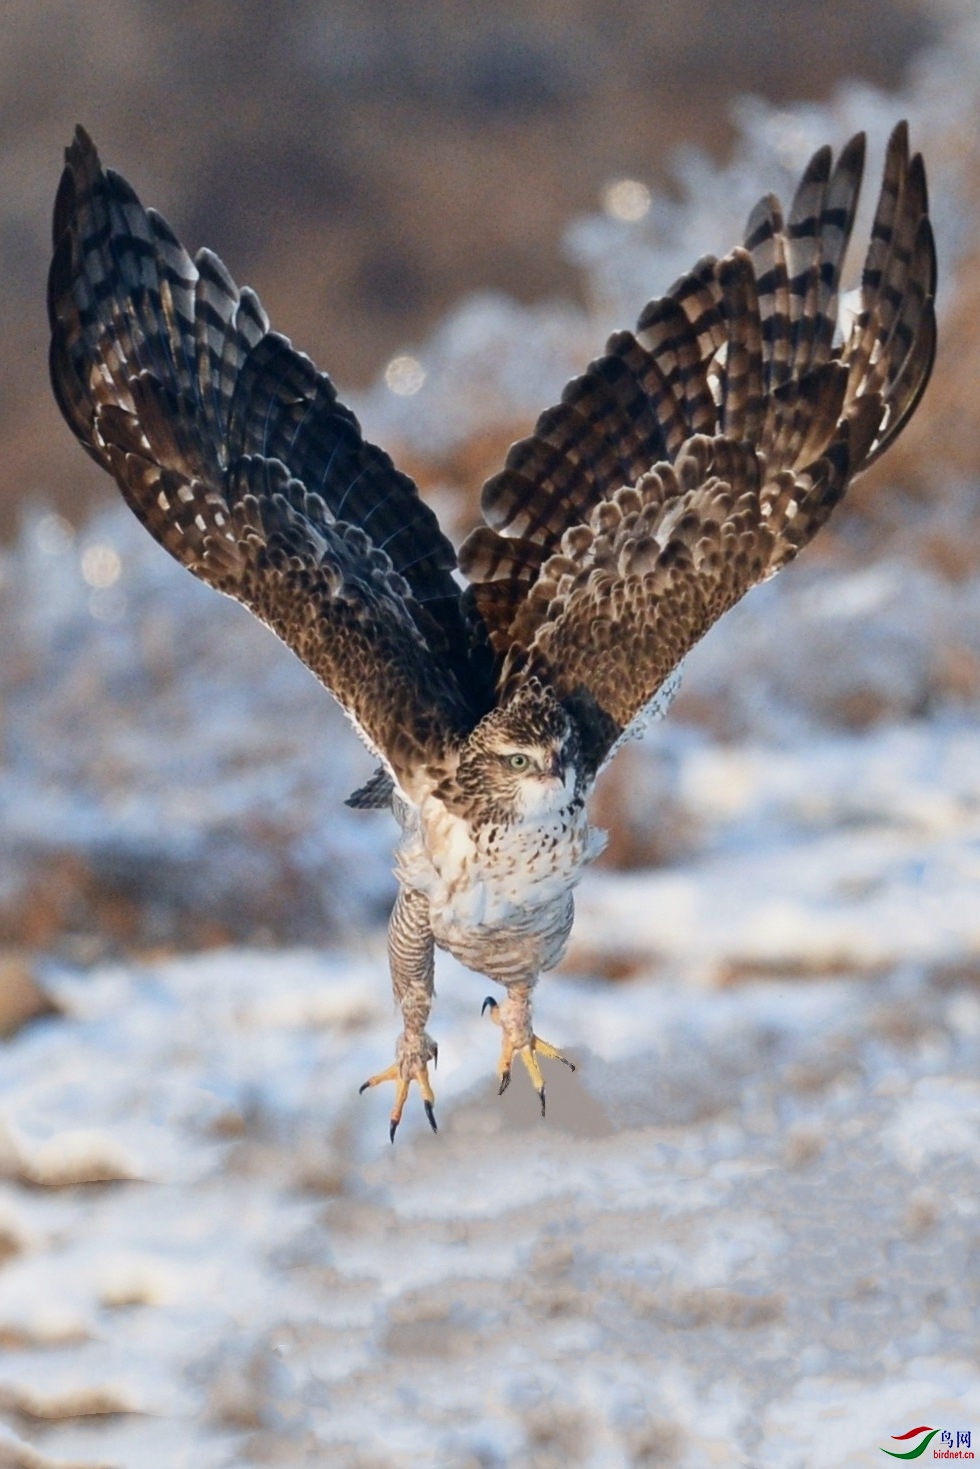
(748, 1232)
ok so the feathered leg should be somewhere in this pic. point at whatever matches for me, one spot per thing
(411, 954)
(514, 1019)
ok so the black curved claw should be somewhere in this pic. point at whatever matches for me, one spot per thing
(541, 1095)
(504, 1082)
(488, 1004)
(435, 1057)
(362, 1089)
(430, 1113)
(392, 1129)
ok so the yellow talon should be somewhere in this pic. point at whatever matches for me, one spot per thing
(402, 1085)
(528, 1053)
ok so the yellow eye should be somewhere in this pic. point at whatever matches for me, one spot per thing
(518, 762)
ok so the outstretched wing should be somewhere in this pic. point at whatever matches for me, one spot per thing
(699, 454)
(237, 456)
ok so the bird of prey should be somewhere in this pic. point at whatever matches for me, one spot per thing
(691, 461)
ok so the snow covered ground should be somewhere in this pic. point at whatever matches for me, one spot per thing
(748, 1230)
(746, 1233)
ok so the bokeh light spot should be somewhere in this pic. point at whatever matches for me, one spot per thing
(626, 199)
(404, 376)
(100, 565)
(107, 604)
(54, 534)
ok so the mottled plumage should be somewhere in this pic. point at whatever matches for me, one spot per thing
(688, 463)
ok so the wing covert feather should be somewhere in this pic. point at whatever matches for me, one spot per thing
(689, 462)
(730, 427)
(239, 458)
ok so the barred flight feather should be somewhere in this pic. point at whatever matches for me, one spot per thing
(741, 351)
(688, 463)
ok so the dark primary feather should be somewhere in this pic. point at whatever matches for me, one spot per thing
(688, 463)
(699, 454)
(238, 457)
(375, 794)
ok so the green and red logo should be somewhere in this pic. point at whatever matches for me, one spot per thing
(919, 1448)
(953, 1443)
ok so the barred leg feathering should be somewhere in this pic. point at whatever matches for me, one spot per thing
(412, 960)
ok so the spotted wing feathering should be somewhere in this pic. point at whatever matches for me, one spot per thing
(704, 450)
(238, 458)
(690, 462)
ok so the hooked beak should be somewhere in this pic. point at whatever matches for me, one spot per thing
(556, 766)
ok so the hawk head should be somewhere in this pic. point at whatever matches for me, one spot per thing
(521, 763)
